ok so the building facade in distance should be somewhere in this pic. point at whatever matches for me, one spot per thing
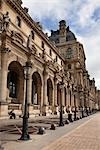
(58, 72)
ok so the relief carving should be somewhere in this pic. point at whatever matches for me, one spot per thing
(17, 37)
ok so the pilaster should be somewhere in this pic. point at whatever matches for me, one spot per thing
(45, 103)
(55, 97)
(3, 75)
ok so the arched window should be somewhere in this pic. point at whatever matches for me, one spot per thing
(18, 21)
(69, 53)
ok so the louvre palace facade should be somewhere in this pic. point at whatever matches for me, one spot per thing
(57, 72)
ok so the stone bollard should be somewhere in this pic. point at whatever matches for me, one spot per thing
(53, 127)
(70, 117)
(66, 121)
(1, 148)
(41, 130)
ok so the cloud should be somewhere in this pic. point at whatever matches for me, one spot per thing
(86, 11)
(47, 8)
(91, 44)
(83, 17)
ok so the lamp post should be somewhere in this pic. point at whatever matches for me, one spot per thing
(61, 123)
(25, 134)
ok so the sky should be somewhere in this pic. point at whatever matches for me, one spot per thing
(83, 17)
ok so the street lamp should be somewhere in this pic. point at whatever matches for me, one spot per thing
(61, 123)
(25, 134)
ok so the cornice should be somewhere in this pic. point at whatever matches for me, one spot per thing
(31, 23)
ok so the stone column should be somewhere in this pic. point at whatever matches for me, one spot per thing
(55, 97)
(3, 83)
(63, 98)
(45, 102)
(45, 91)
(72, 100)
(41, 104)
(68, 103)
(3, 78)
(55, 92)
(82, 101)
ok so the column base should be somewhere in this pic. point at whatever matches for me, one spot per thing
(4, 110)
(64, 110)
(47, 110)
(56, 110)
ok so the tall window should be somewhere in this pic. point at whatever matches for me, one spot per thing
(33, 35)
(50, 52)
(56, 58)
(12, 84)
(18, 21)
(42, 44)
(69, 53)
(69, 66)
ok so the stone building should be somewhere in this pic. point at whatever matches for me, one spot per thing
(57, 73)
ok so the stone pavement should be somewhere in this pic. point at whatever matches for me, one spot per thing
(79, 135)
(85, 137)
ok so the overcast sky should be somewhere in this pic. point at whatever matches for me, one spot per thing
(83, 17)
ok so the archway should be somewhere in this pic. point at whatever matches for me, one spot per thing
(15, 82)
(36, 88)
(50, 91)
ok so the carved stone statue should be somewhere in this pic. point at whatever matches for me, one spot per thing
(29, 42)
(68, 74)
(5, 21)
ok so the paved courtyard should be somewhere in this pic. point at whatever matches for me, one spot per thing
(85, 137)
(79, 135)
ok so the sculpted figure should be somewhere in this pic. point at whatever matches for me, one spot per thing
(68, 74)
(6, 21)
(29, 42)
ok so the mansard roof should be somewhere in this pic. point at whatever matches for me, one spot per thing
(69, 35)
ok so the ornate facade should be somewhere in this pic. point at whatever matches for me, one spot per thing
(57, 59)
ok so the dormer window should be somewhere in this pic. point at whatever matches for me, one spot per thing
(18, 21)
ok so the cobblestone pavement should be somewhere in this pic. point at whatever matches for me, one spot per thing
(85, 137)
